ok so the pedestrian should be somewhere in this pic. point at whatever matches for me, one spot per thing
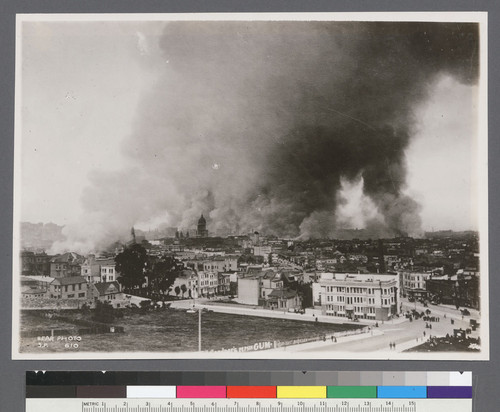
(424, 333)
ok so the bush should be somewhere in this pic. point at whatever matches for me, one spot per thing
(145, 305)
(103, 312)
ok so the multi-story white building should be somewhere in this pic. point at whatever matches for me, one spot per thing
(413, 283)
(208, 283)
(262, 250)
(221, 264)
(108, 271)
(362, 296)
(99, 270)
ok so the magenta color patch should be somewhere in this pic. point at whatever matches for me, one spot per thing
(201, 391)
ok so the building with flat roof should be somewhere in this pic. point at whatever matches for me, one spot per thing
(413, 284)
(358, 296)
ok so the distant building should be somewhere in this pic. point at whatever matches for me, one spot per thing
(106, 291)
(99, 270)
(413, 284)
(66, 265)
(202, 227)
(35, 286)
(263, 251)
(224, 285)
(269, 282)
(249, 290)
(284, 299)
(108, 270)
(73, 287)
(208, 283)
(221, 264)
(461, 289)
(32, 292)
(363, 296)
(36, 264)
(91, 270)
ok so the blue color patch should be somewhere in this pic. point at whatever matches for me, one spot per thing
(410, 392)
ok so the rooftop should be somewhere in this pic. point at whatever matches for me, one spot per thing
(71, 280)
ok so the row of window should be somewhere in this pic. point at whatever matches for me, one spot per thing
(73, 287)
(356, 290)
(340, 309)
(208, 283)
(80, 295)
(70, 296)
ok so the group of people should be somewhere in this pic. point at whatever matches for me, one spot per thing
(392, 345)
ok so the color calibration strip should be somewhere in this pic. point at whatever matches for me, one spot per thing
(339, 385)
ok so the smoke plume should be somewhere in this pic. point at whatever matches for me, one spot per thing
(256, 124)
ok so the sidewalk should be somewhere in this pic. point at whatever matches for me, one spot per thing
(314, 346)
(237, 309)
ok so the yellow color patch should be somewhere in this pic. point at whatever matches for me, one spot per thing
(301, 392)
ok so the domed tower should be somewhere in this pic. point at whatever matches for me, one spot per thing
(202, 227)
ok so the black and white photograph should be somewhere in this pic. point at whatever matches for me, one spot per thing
(285, 186)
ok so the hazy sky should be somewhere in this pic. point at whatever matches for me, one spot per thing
(82, 85)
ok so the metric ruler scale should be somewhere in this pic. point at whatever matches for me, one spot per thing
(248, 405)
(248, 391)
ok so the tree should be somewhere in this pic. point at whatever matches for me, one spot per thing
(305, 290)
(183, 289)
(162, 273)
(177, 290)
(131, 264)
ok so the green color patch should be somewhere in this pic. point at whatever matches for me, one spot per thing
(351, 392)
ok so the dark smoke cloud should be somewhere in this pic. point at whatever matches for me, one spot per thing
(255, 124)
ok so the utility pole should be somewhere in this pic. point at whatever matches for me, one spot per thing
(199, 314)
(199, 329)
